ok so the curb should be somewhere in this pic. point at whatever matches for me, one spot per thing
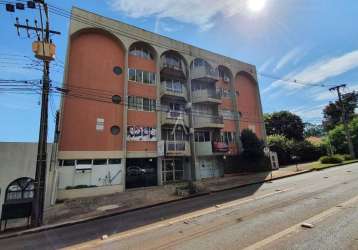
(79, 221)
(340, 164)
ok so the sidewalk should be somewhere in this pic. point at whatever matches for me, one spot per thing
(78, 210)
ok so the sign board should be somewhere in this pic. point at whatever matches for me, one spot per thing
(274, 160)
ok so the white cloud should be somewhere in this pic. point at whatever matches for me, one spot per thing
(314, 113)
(318, 72)
(193, 12)
(293, 55)
(266, 65)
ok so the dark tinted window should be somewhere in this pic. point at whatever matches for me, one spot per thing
(84, 162)
(68, 162)
(114, 161)
(115, 130)
(117, 70)
(99, 161)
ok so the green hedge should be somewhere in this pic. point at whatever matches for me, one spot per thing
(331, 159)
(286, 149)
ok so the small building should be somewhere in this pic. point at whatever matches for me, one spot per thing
(17, 173)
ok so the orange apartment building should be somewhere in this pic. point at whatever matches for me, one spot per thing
(173, 111)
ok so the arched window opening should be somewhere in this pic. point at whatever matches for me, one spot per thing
(20, 189)
(141, 50)
(224, 74)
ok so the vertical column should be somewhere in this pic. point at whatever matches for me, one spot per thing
(159, 127)
(125, 112)
(234, 99)
(193, 174)
(263, 129)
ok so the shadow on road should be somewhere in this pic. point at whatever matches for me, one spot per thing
(90, 230)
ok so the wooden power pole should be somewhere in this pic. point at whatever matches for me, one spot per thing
(44, 50)
(344, 118)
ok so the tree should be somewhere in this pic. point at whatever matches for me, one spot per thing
(253, 157)
(312, 130)
(332, 113)
(253, 146)
(284, 123)
(280, 145)
(337, 138)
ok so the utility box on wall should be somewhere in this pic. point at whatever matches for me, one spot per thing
(44, 51)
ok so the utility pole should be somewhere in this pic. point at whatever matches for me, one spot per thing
(344, 118)
(44, 50)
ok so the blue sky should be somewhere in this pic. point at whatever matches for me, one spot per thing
(310, 41)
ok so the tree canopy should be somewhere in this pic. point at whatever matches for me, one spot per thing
(284, 123)
(332, 113)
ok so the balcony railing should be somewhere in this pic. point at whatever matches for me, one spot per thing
(175, 69)
(204, 72)
(177, 148)
(206, 121)
(175, 117)
(179, 92)
(206, 95)
(220, 147)
(210, 148)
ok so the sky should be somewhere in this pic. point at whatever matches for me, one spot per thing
(300, 49)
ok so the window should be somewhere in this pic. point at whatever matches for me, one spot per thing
(141, 103)
(152, 78)
(202, 136)
(141, 76)
(114, 161)
(100, 124)
(228, 137)
(68, 162)
(117, 70)
(115, 130)
(131, 74)
(146, 106)
(146, 77)
(100, 162)
(141, 52)
(20, 189)
(84, 162)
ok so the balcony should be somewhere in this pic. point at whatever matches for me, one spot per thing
(204, 73)
(206, 95)
(175, 117)
(181, 93)
(177, 148)
(211, 148)
(207, 121)
(172, 69)
(220, 147)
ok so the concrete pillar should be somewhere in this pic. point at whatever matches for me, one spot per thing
(125, 112)
(159, 113)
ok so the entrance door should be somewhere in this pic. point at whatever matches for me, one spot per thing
(172, 170)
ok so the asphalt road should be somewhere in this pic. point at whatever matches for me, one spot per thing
(267, 216)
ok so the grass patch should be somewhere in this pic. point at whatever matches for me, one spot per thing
(319, 166)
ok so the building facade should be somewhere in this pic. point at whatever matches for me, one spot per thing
(141, 109)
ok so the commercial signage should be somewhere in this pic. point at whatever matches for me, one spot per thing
(138, 133)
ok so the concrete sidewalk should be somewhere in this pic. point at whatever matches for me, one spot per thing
(79, 210)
